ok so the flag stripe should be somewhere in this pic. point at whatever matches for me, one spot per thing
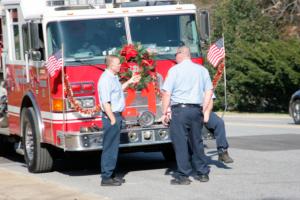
(216, 53)
(54, 63)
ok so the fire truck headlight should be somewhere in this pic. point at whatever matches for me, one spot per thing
(163, 134)
(146, 119)
(84, 102)
(133, 136)
(87, 102)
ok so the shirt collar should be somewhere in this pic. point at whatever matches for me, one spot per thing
(111, 74)
(185, 61)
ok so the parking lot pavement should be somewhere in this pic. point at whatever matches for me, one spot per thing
(17, 186)
(265, 149)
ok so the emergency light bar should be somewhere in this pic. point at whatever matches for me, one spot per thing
(148, 3)
(75, 2)
(83, 2)
(123, 3)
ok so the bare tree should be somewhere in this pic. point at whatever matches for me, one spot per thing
(282, 11)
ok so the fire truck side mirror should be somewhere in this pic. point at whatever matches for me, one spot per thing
(34, 34)
(36, 55)
(204, 24)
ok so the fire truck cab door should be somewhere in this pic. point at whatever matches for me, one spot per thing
(34, 58)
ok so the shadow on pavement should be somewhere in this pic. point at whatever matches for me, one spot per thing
(278, 142)
(10, 157)
(88, 163)
(82, 164)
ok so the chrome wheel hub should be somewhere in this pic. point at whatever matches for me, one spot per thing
(29, 142)
(296, 112)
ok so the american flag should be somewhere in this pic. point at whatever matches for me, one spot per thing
(54, 63)
(216, 52)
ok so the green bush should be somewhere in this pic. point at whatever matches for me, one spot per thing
(262, 70)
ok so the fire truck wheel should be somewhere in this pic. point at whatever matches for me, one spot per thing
(168, 153)
(37, 156)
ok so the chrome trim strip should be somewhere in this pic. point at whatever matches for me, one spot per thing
(73, 141)
(68, 116)
(70, 121)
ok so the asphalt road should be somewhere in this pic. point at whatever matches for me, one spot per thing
(265, 149)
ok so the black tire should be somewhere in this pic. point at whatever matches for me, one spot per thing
(168, 153)
(37, 157)
(296, 111)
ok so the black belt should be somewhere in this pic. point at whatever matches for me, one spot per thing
(115, 113)
(186, 105)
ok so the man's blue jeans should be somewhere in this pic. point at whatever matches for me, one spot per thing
(216, 125)
(111, 141)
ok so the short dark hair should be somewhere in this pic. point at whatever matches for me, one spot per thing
(109, 59)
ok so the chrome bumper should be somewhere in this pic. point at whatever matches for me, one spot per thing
(89, 141)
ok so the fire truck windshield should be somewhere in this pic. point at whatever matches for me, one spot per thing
(89, 41)
(86, 40)
(164, 33)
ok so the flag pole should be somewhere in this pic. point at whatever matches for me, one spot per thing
(225, 82)
(63, 85)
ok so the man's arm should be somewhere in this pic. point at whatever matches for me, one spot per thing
(207, 98)
(166, 95)
(208, 111)
(133, 79)
(208, 91)
(166, 98)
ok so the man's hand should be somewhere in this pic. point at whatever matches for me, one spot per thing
(113, 121)
(135, 78)
(166, 108)
(165, 119)
(206, 117)
(109, 113)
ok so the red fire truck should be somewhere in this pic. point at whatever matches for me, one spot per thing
(39, 117)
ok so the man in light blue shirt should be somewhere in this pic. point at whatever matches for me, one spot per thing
(110, 90)
(184, 88)
(112, 101)
(187, 83)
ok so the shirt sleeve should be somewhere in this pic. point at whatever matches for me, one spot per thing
(169, 81)
(207, 81)
(104, 90)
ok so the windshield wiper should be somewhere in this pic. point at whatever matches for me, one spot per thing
(84, 62)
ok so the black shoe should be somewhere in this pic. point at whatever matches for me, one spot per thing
(110, 182)
(224, 157)
(119, 179)
(181, 181)
(202, 177)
